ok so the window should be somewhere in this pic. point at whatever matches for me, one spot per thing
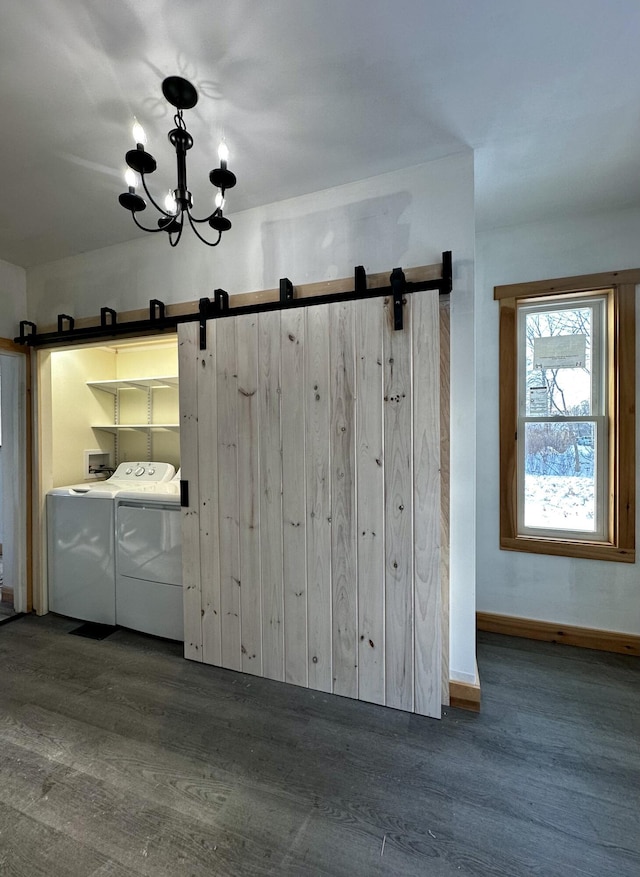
(562, 418)
(567, 424)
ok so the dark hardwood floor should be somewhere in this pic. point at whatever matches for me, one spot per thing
(117, 757)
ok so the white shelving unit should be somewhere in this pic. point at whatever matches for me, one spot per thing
(135, 384)
(145, 385)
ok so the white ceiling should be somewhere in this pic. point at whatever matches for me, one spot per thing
(311, 94)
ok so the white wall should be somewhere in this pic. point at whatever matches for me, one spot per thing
(586, 593)
(13, 298)
(402, 219)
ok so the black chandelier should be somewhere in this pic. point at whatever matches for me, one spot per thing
(178, 202)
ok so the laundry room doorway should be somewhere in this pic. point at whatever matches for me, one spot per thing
(14, 512)
(100, 405)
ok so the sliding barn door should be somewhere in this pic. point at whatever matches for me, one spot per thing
(310, 443)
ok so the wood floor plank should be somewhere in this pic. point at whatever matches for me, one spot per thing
(119, 748)
(151, 839)
(28, 849)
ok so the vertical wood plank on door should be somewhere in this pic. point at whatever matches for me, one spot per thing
(343, 501)
(270, 494)
(228, 513)
(249, 495)
(445, 488)
(426, 504)
(398, 511)
(208, 498)
(318, 487)
(369, 319)
(293, 496)
(192, 602)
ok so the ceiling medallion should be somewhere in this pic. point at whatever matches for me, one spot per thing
(178, 202)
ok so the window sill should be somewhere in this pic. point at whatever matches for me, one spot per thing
(566, 548)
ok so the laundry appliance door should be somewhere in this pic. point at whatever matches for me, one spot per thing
(149, 567)
(80, 556)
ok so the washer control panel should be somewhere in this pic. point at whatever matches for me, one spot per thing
(143, 471)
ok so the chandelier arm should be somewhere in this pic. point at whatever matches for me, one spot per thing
(215, 212)
(177, 240)
(198, 235)
(206, 219)
(153, 230)
(150, 197)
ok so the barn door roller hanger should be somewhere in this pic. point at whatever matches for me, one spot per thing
(159, 321)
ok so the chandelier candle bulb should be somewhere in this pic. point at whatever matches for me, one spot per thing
(223, 154)
(170, 202)
(139, 136)
(179, 201)
(131, 179)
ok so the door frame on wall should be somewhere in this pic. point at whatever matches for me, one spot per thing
(17, 471)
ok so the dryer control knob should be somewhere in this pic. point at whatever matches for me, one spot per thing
(152, 471)
(128, 471)
(139, 471)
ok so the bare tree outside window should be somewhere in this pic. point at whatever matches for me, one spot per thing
(561, 401)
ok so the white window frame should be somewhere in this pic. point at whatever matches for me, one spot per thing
(599, 406)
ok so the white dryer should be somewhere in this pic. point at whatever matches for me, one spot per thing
(81, 541)
(149, 560)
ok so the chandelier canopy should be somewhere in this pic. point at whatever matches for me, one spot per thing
(178, 202)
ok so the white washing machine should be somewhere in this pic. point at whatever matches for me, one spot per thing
(81, 541)
(149, 560)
